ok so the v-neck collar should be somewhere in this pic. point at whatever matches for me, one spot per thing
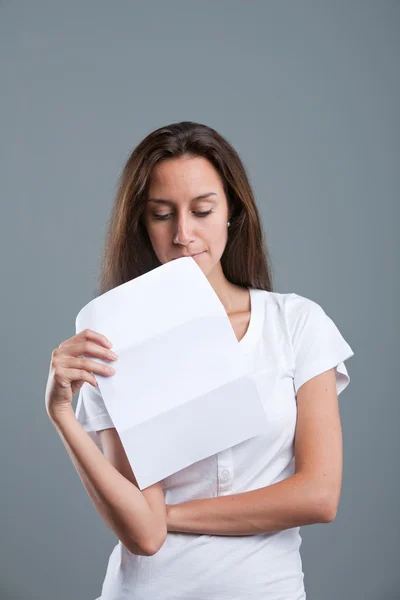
(254, 322)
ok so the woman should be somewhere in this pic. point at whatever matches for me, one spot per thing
(226, 527)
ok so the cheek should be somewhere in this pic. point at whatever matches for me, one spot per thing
(217, 235)
(214, 229)
(157, 235)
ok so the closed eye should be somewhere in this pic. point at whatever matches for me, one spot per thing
(165, 217)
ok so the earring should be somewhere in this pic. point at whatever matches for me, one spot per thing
(229, 223)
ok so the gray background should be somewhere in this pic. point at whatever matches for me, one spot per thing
(308, 93)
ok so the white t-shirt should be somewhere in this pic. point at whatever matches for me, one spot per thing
(289, 340)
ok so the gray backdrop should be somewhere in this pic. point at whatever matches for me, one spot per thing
(308, 93)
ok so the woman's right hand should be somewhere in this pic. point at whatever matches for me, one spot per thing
(68, 371)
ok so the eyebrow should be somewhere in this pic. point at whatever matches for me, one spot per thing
(201, 197)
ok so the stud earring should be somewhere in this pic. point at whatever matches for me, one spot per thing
(229, 223)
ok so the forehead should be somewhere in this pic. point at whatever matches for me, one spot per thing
(194, 174)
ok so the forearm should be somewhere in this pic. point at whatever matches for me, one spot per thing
(292, 502)
(120, 504)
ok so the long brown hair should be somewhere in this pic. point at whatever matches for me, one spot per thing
(128, 251)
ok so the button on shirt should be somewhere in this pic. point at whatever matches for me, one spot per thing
(289, 340)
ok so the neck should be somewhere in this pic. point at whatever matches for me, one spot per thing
(228, 293)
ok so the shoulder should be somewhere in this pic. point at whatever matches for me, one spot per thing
(300, 326)
(289, 305)
(292, 316)
(299, 307)
(305, 318)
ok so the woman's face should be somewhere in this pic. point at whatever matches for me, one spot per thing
(173, 214)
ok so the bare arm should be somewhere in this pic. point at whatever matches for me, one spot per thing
(288, 503)
(135, 517)
(309, 496)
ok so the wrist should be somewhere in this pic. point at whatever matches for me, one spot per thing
(60, 415)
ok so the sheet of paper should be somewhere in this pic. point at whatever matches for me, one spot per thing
(182, 390)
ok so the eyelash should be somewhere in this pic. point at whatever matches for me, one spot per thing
(165, 217)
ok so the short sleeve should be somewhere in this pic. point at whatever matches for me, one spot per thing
(317, 343)
(91, 412)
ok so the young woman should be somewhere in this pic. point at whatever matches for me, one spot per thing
(226, 527)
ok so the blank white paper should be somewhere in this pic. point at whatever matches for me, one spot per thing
(182, 390)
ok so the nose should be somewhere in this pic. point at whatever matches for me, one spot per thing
(182, 233)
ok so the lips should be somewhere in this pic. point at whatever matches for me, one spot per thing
(189, 255)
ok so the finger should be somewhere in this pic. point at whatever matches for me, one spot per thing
(90, 348)
(93, 366)
(87, 334)
(62, 374)
(90, 334)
